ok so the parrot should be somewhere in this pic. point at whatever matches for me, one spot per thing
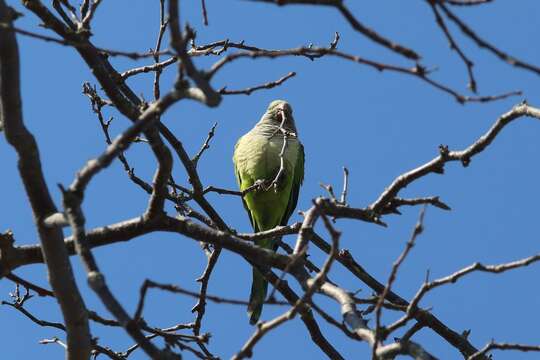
(257, 161)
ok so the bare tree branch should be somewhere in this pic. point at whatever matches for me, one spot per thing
(484, 44)
(320, 278)
(395, 203)
(204, 12)
(38, 289)
(313, 52)
(464, 156)
(492, 345)
(56, 257)
(345, 258)
(249, 90)
(205, 146)
(162, 27)
(204, 92)
(454, 46)
(18, 302)
(418, 229)
(76, 43)
(197, 219)
(89, 14)
(450, 279)
(96, 279)
(467, 2)
(357, 25)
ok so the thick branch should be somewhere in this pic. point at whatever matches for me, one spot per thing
(134, 228)
(96, 279)
(54, 252)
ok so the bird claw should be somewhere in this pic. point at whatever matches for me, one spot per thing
(266, 185)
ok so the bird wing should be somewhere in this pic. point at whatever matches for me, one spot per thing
(298, 178)
(239, 181)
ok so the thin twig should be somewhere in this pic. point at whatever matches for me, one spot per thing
(34, 319)
(205, 146)
(483, 43)
(313, 52)
(57, 5)
(162, 28)
(200, 306)
(412, 307)
(18, 305)
(395, 203)
(343, 199)
(27, 284)
(156, 67)
(357, 25)
(249, 90)
(204, 12)
(178, 290)
(413, 330)
(133, 55)
(85, 24)
(467, 2)
(418, 229)
(453, 278)
(453, 45)
(54, 340)
(492, 345)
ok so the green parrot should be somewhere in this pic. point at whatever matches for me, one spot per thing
(257, 158)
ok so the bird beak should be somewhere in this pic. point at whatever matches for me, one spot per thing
(284, 110)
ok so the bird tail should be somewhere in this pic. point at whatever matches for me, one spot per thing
(259, 287)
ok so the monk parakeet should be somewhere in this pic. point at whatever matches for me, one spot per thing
(257, 160)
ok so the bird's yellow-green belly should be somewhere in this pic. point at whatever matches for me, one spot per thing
(257, 158)
(268, 207)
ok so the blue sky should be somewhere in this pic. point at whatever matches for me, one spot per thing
(379, 125)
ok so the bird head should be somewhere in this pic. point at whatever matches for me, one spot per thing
(275, 113)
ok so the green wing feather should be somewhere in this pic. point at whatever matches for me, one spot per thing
(239, 182)
(297, 182)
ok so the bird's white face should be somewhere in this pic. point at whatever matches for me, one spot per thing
(278, 106)
(277, 110)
